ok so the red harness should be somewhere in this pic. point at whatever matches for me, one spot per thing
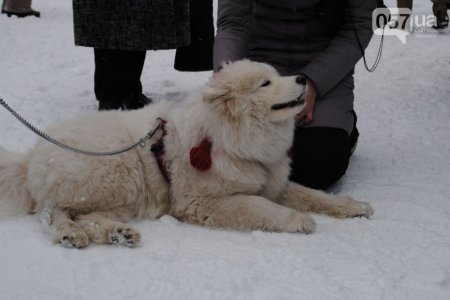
(158, 151)
(199, 156)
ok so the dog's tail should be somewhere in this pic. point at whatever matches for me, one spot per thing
(14, 196)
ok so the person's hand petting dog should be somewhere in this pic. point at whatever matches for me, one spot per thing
(306, 115)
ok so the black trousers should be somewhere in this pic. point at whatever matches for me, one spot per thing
(117, 74)
(320, 155)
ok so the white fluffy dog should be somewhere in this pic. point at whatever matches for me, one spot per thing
(220, 160)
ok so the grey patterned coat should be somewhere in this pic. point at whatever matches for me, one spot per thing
(310, 37)
(131, 24)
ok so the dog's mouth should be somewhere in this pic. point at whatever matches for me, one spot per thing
(290, 104)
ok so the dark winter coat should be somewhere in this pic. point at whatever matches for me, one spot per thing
(310, 37)
(131, 24)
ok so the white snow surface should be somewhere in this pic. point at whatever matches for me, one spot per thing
(401, 166)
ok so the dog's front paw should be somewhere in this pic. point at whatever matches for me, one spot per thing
(352, 208)
(124, 235)
(298, 222)
(75, 238)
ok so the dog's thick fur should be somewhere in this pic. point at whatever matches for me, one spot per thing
(83, 199)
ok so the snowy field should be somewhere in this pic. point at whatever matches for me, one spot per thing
(401, 166)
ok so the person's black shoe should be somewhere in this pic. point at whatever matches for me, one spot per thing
(141, 98)
(22, 14)
(109, 105)
(136, 101)
(441, 20)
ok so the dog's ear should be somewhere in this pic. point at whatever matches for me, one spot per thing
(215, 90)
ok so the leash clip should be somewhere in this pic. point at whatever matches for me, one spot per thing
(150, 134)
(143, 143)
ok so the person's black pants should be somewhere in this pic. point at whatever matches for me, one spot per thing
(320, 155)
(117, 75)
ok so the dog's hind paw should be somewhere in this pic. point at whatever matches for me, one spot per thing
(124, 235)
(74, 239)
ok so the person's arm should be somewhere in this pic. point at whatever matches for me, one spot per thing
(233, 24)
(329, 67)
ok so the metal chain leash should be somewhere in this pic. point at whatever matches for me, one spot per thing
(141, 143)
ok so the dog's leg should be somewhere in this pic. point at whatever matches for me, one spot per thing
(243, 212)
(67, 232)
(309, 200)
(102, 229)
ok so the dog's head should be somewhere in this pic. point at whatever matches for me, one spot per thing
(245, 89)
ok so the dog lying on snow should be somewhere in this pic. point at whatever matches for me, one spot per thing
(220, 159)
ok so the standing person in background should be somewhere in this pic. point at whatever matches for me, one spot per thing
(316, 39)
(440, 12)
(19, 8)
(121, 31)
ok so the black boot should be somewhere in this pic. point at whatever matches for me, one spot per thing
(22, 14)
(109, 105)
(19, 8)
(137, 101)
(441, 20)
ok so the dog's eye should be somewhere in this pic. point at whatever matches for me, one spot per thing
(266, 83)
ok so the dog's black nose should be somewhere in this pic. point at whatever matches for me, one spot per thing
(301, 80)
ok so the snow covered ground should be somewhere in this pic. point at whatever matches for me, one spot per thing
(401, 166)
